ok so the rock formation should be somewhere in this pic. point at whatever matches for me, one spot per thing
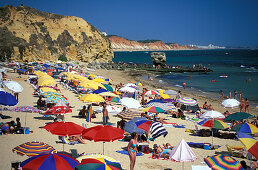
(122, 44)
(27, 34)
(158, 58)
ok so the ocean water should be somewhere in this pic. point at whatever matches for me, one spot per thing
(241, 67)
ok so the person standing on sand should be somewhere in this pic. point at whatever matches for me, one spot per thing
(240, 95)
(132, 150)
(247, 105)
(184, 85)
(221, 95)
(235, 94)
(229, 94)
(105, 114)
(242, 106)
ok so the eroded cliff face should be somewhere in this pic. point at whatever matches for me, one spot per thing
(27, 34)
(119, 43)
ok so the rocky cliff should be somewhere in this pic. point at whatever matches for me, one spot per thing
(27, 34)
(119, 43)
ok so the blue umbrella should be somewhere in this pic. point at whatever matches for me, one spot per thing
(155, 100)
(7, 99)
(131, 127)
(99, 91)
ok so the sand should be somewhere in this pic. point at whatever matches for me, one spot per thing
(35, 121)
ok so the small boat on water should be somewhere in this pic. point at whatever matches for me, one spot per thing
(223, 76)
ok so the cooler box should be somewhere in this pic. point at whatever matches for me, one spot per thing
(206, 146)
(26, 130)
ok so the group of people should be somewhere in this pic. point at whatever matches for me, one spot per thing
(11, 127)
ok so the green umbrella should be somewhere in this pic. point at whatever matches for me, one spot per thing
(99, 163)
(108, 87)
(238, 116)
(115, 99)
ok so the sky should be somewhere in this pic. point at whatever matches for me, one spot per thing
(200, 22)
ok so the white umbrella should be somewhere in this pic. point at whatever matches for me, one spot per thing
(182, 153)
(14, 86)
(230, 103)
(130, 103)
(211, 114)
(170, 92)
(1, 89)
(110, 109)
(127, 89)
(130, 85)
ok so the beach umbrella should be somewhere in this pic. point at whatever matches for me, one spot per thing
(131, 85)
(56, 98)
(99, 91)
(153, 109)
(131, 126)
(170, 92)
(49, 162)
(182, 153)
(26, 109)
(211, 114)
(108, 94)
(223, 162)
(95, 156)
(238, 116)
(108, 79)
(245, 128)
(187, 101)
(213, 123)
(164, 106)
(110, 109)
(99, 163)
(157, 129)
(92, 85)
(130, 103)
(47, 89)
(155, 100)
(103, 133)
(93, 98)
(249, 142)
(129, 115)
(58, 110)
(127, 89)
(115, 99)
(230, 103)
(108, 87)
(7, 99)
(99, 80)
(139, 84)
(33, 148)
(169, 100)
(150, 92)
(13, 86)
(144, 124)
(64, 128)
(46, 81)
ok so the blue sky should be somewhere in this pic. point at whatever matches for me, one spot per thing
(220, 22)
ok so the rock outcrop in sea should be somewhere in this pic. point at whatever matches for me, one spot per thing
(122, 44)
(27, 34)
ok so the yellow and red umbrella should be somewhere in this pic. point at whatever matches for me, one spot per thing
(99, 163)
(249, 142)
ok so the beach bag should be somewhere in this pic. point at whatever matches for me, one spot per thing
(146, 149)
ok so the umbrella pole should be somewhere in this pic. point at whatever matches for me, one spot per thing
(63, 146)
(25, 119)
(212, 136)
(103, 147)
(183, 166)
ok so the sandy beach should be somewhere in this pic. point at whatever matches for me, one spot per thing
(35, 121)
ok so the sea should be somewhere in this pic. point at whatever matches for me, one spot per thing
(239, 65)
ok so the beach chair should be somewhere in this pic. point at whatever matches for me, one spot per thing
(74, 153)
(237, 151)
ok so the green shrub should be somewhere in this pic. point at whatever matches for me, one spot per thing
(62, 57)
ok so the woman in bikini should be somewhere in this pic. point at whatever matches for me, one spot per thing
(242, 107)
(246, 105)
(132, 150)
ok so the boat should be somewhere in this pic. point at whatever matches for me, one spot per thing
(223, 76)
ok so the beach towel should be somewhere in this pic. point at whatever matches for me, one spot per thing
(126, 153)
(179, 126)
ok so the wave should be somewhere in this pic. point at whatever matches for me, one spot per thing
(242, 66)
(178, 85)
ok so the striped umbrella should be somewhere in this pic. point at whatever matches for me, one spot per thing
(99, 163)
(223, 162)
(129, 115)
(95, 156)
(246, 128)
(164, 106)
(108, 79)
(34, 148)
(249, 142)
(187, 101)
(213, 123)
(49, 162)
(153, 109)
(157, 129)
(150, 92)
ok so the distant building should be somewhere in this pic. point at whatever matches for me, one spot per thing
(210, 46)
(104, 33)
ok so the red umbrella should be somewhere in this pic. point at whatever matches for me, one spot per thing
(58, 110)
(103, 133)
(64, 128)
(144, 124)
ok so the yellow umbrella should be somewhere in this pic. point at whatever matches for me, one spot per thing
(99, 80)
(108, 94)
(47, 89)
(92, 98)
(46, 81)
(164, 96)
(39, 73)
(92, 85)
(91, 75)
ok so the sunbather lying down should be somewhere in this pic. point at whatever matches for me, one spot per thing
(71, 140)
(161, 152)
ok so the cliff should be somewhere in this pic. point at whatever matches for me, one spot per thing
(122, 44)
(27, 34)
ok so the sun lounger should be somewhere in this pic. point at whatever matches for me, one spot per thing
(237, 151)
(74, 153)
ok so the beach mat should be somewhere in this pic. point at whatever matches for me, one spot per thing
(126, 153)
